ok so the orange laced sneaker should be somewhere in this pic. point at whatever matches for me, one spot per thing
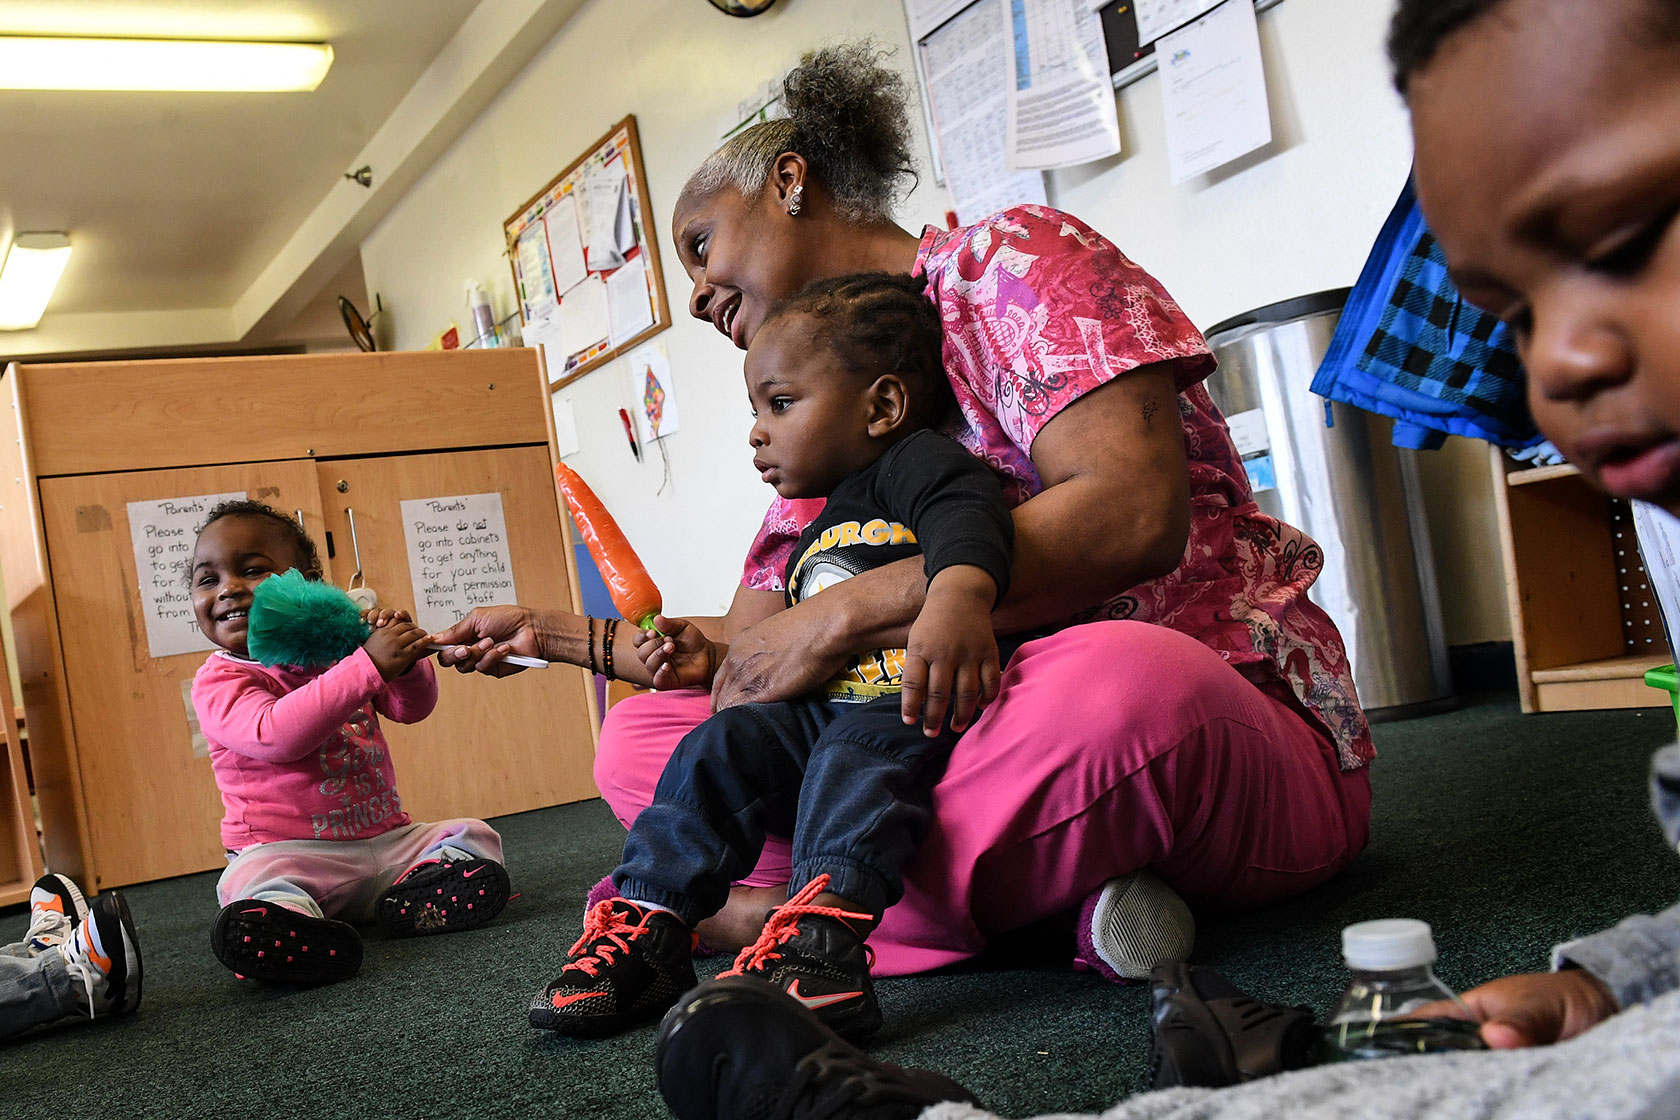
(816, 956)
(630, 964)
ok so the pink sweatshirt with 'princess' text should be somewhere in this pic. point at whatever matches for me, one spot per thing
(298, 753)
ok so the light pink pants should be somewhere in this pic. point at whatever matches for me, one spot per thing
(1113, 746)
(346, 878)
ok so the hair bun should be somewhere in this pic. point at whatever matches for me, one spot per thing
(851, 122)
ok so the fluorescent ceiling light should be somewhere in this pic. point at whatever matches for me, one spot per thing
(185, 65)
(30, 274)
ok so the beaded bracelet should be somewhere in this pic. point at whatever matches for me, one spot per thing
(609, 629)
(589, 624)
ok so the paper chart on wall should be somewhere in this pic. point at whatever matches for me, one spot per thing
(606, 195)
(565, 244)
(964, 65)
(926, 15)
(541, 298)
(163, 533)
(458, 556)
(1062, 110)
(1157, 17)
(628, 309)
(584, 320)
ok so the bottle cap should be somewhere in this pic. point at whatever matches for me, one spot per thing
(1387, 944)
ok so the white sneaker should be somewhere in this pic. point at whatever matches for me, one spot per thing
(56, 908)
(104, 955)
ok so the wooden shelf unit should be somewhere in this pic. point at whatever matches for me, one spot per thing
(125, 795)
(20, 849)
(1584, 623)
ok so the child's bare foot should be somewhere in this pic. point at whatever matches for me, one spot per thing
(741, 920)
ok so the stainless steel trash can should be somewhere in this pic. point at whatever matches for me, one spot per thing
(1331, 470)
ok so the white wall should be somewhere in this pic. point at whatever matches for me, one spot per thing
(1297, 217)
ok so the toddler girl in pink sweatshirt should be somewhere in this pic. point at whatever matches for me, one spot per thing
(315, 831)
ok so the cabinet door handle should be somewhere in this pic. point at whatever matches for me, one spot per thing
(355, 551)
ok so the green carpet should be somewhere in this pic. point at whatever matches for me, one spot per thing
(1506, 832)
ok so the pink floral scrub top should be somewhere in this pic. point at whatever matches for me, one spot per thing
(1039, 309)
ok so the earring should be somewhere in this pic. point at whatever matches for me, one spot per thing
(793, 199)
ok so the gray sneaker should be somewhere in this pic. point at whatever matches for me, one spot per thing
(104, 955)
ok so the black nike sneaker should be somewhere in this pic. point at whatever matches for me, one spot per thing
(261, 940)
(816, 956)
(444, 896)
(735, 1048)
(630, 964)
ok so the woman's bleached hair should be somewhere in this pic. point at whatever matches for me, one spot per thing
(848, 117)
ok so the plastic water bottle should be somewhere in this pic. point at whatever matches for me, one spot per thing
(484, 320)
(1393, 976)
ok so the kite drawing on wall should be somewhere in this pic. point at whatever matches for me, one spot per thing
(653, 399)
(650, 384)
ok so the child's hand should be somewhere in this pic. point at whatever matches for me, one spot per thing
(384, 616)
(395, 646)
(678, 655)
(951, 662)
(1533, 1008)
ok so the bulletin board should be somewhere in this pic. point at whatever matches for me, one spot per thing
(1127, 62)
(585, 262)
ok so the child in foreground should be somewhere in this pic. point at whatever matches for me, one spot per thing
(315, 832)
(845, 381)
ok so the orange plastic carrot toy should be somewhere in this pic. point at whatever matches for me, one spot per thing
(633, 592)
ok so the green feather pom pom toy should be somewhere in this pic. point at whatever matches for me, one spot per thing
(306, 622)
(298, 621)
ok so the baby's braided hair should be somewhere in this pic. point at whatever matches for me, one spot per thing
(877, 323)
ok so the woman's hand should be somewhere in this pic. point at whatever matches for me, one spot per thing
(780, 656)
(677, 654)
(951, 661)
(1534, 1008)
(479, 642)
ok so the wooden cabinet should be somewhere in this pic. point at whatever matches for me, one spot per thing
(1584, 623)
(126, 794)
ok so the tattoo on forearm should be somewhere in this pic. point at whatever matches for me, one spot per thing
(1150, 408)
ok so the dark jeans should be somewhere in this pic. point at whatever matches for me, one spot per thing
(850, 782)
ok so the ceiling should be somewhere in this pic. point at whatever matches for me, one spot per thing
(202, 218)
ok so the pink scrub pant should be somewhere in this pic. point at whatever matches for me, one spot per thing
(1113, 746)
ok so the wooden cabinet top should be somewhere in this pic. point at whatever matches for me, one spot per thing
(95, 417)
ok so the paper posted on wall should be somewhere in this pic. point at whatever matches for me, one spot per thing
(1062, 110)
(927, 15)
(458, 556)
(964, 66)
(1157, 17)
(1213, 90)
(656, 398)
(607, 193)
(164, 533)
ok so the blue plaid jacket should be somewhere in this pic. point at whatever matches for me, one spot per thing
(1409, 347)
